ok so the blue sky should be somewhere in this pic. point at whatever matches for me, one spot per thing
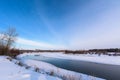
(63, 24)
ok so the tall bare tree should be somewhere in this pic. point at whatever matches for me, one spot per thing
(8, 38)
(11, 35)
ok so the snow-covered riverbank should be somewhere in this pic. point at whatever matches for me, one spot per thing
(55, 71)
(104, 59)
(51, 69)
(10, 71)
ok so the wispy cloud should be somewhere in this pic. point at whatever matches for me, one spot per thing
(103, 33)
(37, 45)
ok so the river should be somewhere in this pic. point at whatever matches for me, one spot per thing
(109, 72)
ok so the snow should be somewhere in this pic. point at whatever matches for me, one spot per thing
(10, 71)
(62, 73)
(51, 69)
(103, 59)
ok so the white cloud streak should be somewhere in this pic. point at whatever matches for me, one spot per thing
(36, 45)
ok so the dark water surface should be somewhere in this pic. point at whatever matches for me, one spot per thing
(109, 72)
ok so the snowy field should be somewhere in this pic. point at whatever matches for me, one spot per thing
(55, 71)
(51, 69)
(104, 59)
(36, 70)
(10, 71)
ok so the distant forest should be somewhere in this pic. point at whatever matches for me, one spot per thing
(110, 52)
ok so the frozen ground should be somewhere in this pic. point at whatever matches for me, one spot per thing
(10, 71)
(53, 70)
(104, 59)
(62, 73)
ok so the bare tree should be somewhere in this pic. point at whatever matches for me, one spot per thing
(10, 36)
(7, 39)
